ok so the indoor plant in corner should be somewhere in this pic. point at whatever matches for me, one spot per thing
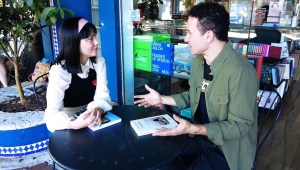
(22, 133)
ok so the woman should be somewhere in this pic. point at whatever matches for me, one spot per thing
(77, 80)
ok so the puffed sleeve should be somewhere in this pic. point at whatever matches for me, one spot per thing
(101, 98)
(59, 81)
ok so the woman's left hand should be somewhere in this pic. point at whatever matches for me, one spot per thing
(96, 112)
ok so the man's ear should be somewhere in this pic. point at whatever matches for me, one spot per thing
(210, 36)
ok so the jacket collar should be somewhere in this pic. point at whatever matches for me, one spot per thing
(220, 59)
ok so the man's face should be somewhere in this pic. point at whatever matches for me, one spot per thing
(194, 37)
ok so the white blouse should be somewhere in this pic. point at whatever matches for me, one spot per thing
(56, 115)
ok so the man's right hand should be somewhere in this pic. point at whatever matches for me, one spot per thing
(153, 98)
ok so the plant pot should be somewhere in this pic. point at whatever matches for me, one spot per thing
(21, 133)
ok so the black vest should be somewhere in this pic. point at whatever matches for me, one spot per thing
(81, 91)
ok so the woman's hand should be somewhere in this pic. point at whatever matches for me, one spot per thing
(153, 98)
(88, 118)
(96, 112)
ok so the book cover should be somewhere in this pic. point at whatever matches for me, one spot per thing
(284, 49)
(149, 125)
(142, 54)
(108, 120)
(267, 99)
(287, 70)
(182, 61)
(266, 73)
(258, 62)
(162, 58)
(275, 52)
(260, 14)
(165, 10)
(265, 50)
(286, 18)
(142, 49)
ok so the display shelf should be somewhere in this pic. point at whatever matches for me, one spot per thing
(247, 31)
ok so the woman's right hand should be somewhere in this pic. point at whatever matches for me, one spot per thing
(83, 120)
(153, 98)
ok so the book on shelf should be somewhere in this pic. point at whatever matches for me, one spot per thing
(282, 53)
(182, 61)
(165, 10)
(162, 58)
(257, 62)
(267, 99)
(260, 14)
(142, 49)
(149, 125)
(108, 120)
(266, 73)
(286, 18)
(287, 70)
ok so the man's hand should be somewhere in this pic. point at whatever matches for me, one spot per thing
(153, 98)
(184, 127)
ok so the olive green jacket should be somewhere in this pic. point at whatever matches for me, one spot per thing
(231, 105)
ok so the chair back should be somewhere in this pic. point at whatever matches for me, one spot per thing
(269, 110)
(40, 88)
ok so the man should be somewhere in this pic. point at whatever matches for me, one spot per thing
(222, 96)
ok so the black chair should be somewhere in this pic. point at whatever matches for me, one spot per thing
(42, 88)
(268, 116)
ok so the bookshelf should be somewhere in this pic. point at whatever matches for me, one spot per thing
(280, 63)
(249, 26)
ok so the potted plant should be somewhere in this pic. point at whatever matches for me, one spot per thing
(19, 20)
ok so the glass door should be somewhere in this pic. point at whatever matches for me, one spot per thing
(154, 51)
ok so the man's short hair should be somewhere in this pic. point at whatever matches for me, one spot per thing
(212, 16)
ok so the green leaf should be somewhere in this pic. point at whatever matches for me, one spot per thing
(43, 16)
(47, 10)
(58, 3)
(68, 11)
(62, 13)
(48, 22)
(53, 20)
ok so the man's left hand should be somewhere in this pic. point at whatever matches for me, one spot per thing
(182, 128)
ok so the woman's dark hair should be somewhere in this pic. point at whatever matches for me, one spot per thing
(70, 41)
(212, 16)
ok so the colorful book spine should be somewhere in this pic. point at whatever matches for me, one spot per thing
(265, 50)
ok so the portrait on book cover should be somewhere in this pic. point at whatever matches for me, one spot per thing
(161, 120)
